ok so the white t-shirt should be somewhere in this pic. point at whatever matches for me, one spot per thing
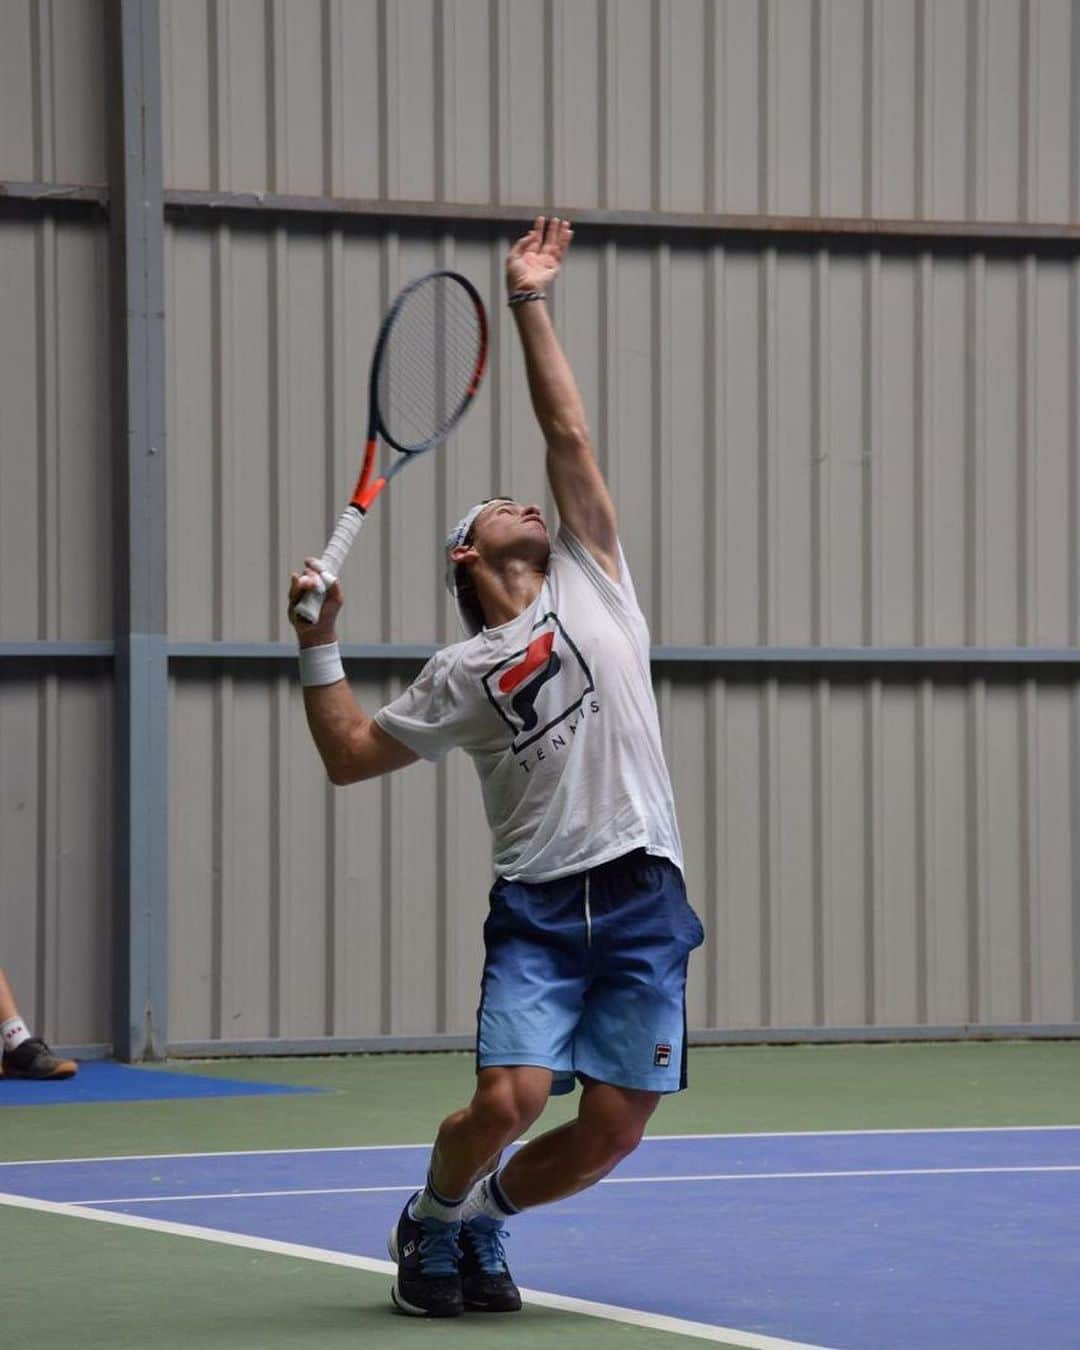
(556, 708)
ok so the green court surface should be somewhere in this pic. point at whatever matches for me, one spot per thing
(70, 1282)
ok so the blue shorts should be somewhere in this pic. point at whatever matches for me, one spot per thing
(586, 975)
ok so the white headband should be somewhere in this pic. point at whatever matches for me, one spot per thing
(455, 539)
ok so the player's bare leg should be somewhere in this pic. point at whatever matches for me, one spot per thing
(8, 1007)
(506, 1102)
(609, 1126)
(443, 1265)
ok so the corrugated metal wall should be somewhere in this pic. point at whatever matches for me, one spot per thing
(945, 109)
(841, 444)
(856, 450)
(56, 815)
(52, 91)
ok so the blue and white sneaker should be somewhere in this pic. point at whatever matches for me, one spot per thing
(486, 1282)
(427, 1254)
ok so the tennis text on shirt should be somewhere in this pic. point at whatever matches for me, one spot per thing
(556, 709)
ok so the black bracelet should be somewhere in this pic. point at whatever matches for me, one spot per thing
(520, 297)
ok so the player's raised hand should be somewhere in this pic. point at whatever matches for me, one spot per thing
(534, 261)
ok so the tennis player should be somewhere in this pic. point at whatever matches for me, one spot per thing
(589, 928)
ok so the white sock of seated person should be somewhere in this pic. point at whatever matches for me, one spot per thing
(13, 1032)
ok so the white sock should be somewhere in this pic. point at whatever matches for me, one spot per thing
(429, 1204)
(13, 1032)
(488, 1198)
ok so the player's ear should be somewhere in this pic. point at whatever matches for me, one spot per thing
(461, 552)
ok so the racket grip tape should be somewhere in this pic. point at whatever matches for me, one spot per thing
(332, 560)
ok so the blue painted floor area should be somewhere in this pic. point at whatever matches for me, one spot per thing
(104, 1081)
(910, 1248)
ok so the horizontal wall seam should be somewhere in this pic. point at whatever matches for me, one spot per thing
(44, 650)
(347, 1045)
(43, 199)
(37, 192)
(665, 654)
(183, 204)
(351, 1045)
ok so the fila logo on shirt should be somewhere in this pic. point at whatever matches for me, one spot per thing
(541, 685)
(662, 1056)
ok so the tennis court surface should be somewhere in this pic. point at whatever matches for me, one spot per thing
(858, 1198)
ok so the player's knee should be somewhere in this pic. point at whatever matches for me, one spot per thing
(623, 1140)
(502, 1113)
(529, 1102)
(611, 1143)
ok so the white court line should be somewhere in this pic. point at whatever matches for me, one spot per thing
(835, 1134)
(607, 1181)
(212, 1153)
(245, 1195)
(677, 1326)
(375, 1148)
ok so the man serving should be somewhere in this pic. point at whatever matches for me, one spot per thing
(589, 930)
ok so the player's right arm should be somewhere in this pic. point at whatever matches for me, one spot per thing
(578, 486)
(352, 745)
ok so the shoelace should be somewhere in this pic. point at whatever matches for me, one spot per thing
(439, 1251)
(488, 1246)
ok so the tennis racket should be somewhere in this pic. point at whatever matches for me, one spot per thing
(429, 360)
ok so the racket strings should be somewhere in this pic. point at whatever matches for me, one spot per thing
(434, 371)
(429, 362)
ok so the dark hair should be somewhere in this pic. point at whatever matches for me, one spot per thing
(467, 598)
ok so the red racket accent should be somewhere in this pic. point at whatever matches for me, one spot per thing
(360, 492)
(363, 499)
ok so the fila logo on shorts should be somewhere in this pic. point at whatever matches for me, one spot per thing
(662, 1056)
(540, 685)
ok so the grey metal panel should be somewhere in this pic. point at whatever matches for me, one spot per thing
(56, 507)
(866, 449)
(856, 906)
(52, 90)
(56, 851)
(838, 448)
(16, 91)
(881, 853)
(300, 911)
(950, 110)
(838, 445)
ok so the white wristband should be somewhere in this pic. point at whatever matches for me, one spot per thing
(321, 665)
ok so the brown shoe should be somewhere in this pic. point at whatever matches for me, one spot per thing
(34, 1059)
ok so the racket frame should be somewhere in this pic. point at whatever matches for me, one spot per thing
(368, 487)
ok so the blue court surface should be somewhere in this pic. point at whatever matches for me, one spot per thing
(104, 1081)
(905, 1240)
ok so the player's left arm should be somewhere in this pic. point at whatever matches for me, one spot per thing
(577, 484)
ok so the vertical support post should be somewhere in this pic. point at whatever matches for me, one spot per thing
(137, 252)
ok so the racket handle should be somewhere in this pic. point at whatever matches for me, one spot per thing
(332, 560)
